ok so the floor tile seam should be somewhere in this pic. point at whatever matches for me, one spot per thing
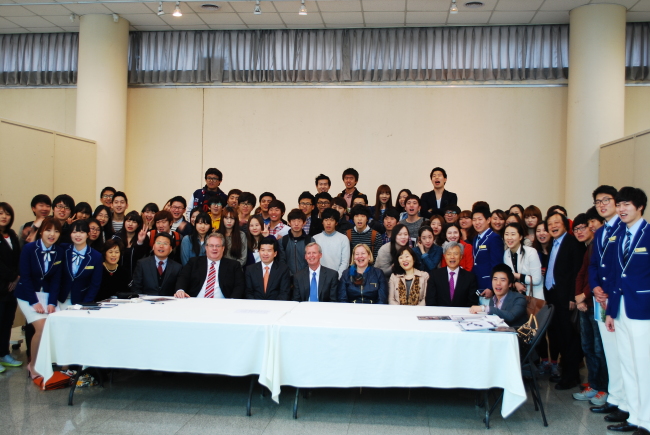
(188, 420)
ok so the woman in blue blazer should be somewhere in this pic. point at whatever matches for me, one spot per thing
(82, 272)
(41, 263)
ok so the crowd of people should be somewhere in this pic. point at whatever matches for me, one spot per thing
(403, 250)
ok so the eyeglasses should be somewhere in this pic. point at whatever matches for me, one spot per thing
(94, 229)
(603, 201)
(177, 207)
(162, 243)
(323, 203)
(215, 246)
(212, 179)
(218, 204)
(62, 207)
(451, 212)
(579, 229)
(245, 204)
(305, 203)
(107, 196)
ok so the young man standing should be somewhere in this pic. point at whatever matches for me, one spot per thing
(350, 179)
(323, 183)
(451, 213)
(435, 201)
(628, 308)
(312, 225)
(177, 207)
(265, 200)
(391, 217)
(106, 197)
(120, 204)
(292, 246)
(323, 201)
(344, 224)
(362, 233)
(200, 197)
(215, 205)
(487, 250)
(277, 228)
(41, 208)
(413, 221)
(268, 279)
(62, 207)
(334, 245)
(233, 198)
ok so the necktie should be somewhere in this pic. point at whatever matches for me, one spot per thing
(313, 289)
(550, 280)
(160, 269)
(212, 278)
(452, 286)
(266, 277)
(626, 247)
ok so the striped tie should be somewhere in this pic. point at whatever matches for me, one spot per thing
(212, 277)
(626, 247)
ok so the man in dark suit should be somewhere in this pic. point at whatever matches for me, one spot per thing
(268, 279)
(565, 261)
(452, 286)
(156, 275)
(211, 276)
(435, 201)
(315, 283)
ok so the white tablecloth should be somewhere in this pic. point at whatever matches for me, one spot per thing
(355, 345)
(219, 336)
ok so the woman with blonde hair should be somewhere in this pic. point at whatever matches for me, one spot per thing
(362, 283)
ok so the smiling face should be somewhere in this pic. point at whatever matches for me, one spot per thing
(361, 257)
(406, 261)
(102, 217)
(512, 238)
(452, 257)
(605, 205)
(349, 181)
(628, 212)
(384, 198)
(119, 204)
(402, 238)
(531, 221)
(497, 222)
(541, 234)
(5, 217)
(61, 211)
(480, 223)
(322, 186)
(215, 210)
(500, 284)
(322, 204)
(465, 222)
(193, 216)
(436, 226)
(264, 203)
(412, 207)
(453, 235)
(130, 226)
(233, 200)
(50, 236)
(402, 198)
(254, 227)
(555, 226)
(214, 249)
(275, 214)
(42, 210)
(147, 216)
(267, 253)
(178, 209)
(306, 205)
(313, 256)
(438, 180)
(163, 226)
(107, 198)
(162, 248)
(112, 256)
(594, 224)
(451, 216)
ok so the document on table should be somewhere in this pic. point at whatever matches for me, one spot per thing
(488, 322)
(434, 318)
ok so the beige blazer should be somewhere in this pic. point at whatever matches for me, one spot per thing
(393, 283)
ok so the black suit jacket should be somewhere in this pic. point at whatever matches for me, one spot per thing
(145, 277)
(328, 284)
(430, 205)
(565, 271)
(195, 272)
(279, 286)
(9, 259)
(464, 293)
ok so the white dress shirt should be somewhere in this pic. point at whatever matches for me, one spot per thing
(164, 263)
(217, 288)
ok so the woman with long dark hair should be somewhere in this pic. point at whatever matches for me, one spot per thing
(135, 243)
(383, 202)
(400, 202)
(532, 218)
(235, 239)
(104, 215)
(94, 236)
(467, 231)
(498, 221)
(194, 244)
(427, 252)
(148, 212)
(256, 232)
(9, 276)
(387, 254)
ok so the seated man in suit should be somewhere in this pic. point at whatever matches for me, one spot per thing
(315, 283)
(452, 286)
(268, 279)
(212, 275)
(509, 305)
(156, 275)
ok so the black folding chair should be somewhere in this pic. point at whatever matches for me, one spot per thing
(528, 367)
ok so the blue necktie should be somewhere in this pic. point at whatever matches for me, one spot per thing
(550, 280)
(313, 289)
(608, 231)
(626, 247)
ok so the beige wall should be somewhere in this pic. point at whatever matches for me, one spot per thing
(53, 109)
(637, 109)
(36, 160)
(625, 162)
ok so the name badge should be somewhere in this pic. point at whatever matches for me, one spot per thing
(640, 250)
(482, 247)
(612, 239)
(89, 267)
(58, 262)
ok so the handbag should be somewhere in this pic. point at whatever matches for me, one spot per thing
(533, 305)
(528, 330)
(57, 381)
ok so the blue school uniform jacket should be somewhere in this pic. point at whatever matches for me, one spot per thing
(84, 285)
(33, 277)
(487, 254)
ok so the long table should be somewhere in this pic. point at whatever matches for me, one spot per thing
(304, 345)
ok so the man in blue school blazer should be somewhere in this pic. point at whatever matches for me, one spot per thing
(628, 308)
(487, 249)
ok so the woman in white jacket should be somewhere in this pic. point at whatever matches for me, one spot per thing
(523, 260)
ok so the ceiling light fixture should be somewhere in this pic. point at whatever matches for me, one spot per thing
(116, 18)
(258, 9)
(177, 11)
(303, 9)
(160, 9)
(73, 17)
(453, 9)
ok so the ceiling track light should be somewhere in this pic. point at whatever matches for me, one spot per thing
(303, 9)
(116, 18)
(453, 9)
(160, 9)
(177, 10)
(73, 17)
(258, 9)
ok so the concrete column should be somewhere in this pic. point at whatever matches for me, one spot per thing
(101, 93)
(596, 102)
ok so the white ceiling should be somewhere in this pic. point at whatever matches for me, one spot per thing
(283, 14)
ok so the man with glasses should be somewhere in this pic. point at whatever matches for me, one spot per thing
(106, 197)
(62, 208)
(312, 225)
(201, 197)
(323, 202)
(156, 275)
(451, 214)
(211, 276)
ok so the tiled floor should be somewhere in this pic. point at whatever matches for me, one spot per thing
(158, 404)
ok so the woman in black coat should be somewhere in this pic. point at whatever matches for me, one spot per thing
(9, 261)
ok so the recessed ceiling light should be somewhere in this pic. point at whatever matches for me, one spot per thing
(210, 7)
(474, 4)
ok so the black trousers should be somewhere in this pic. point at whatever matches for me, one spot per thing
(7, 314)
(563, 332)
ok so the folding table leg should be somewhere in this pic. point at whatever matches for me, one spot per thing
(75, 378)
(295, 404)
(486, 395)
(250, 396)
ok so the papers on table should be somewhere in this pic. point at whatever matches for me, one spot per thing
(482, 324)
(434, 318)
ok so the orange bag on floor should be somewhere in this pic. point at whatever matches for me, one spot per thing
(57, 381)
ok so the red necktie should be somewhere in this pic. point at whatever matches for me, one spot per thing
(160, 269)
(209, 287)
